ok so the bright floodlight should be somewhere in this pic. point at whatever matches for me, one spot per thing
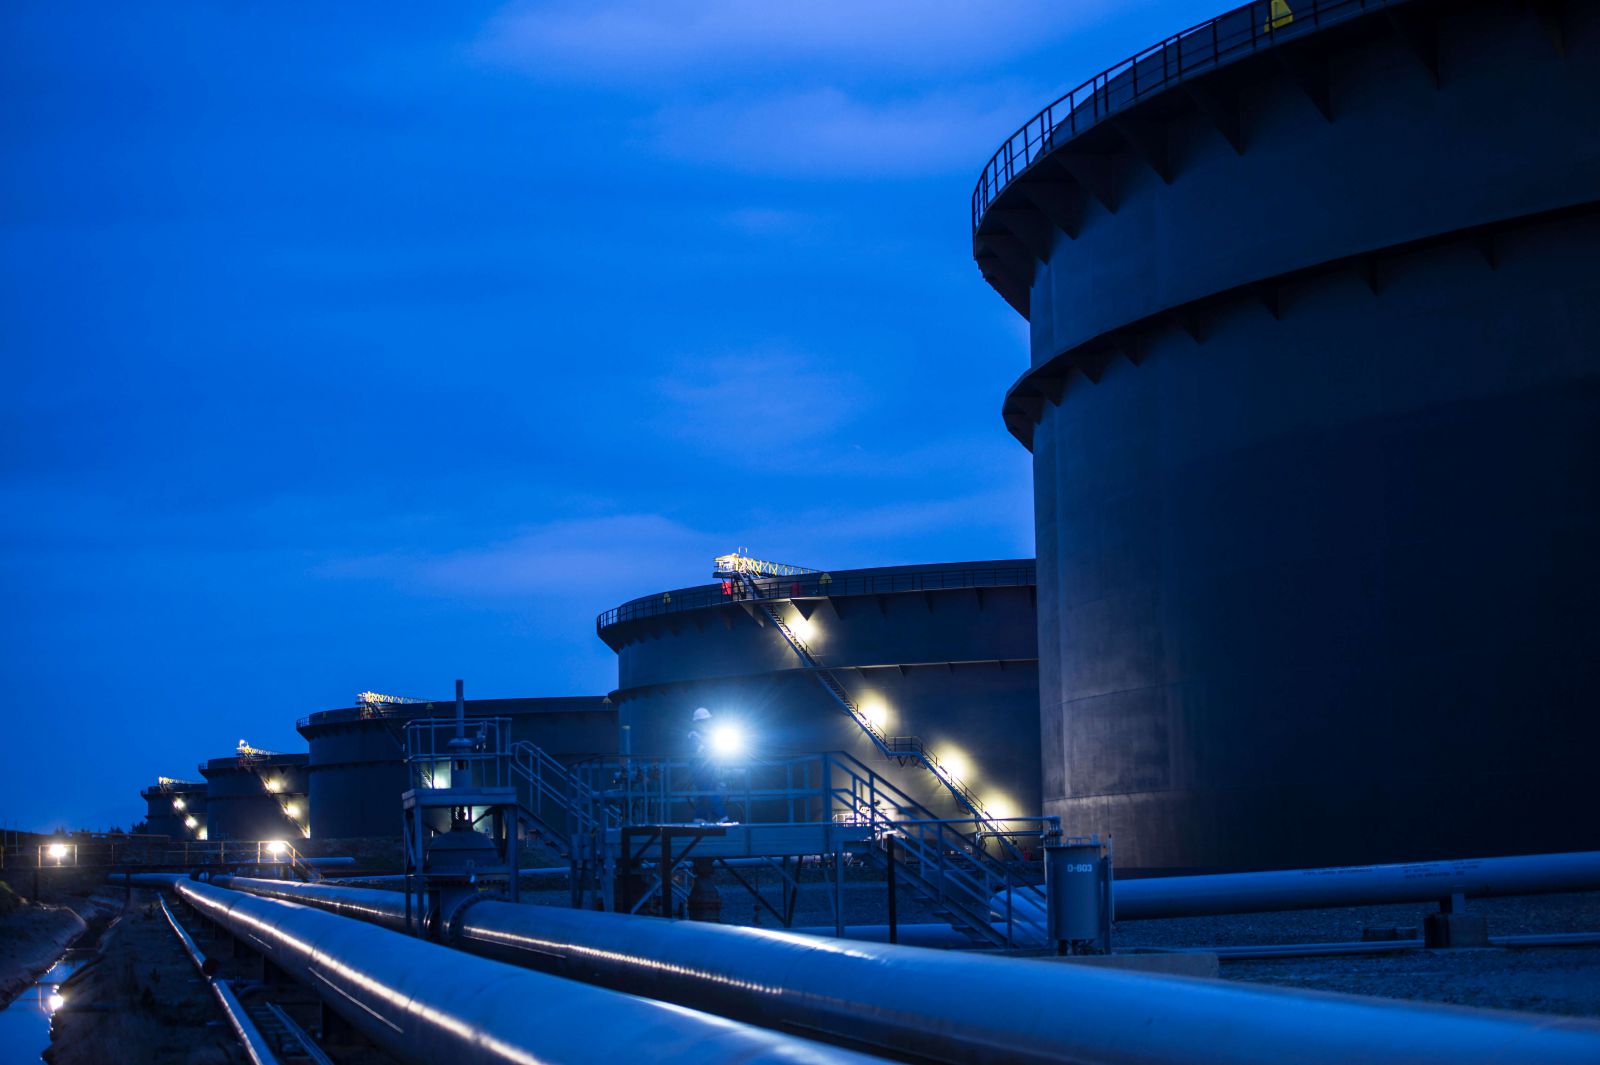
(57, 851)
(55, 1001)
(191, 822)
(177, 804)
(727, 740)
(276, 847)
(292, 809)
(274, 785)
(876, 713)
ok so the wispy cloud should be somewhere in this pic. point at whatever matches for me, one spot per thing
(707, 41)
(595, 558)
(826, 132)
(754, 407)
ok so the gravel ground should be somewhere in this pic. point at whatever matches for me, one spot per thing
(143, 1002)
(1545, 980)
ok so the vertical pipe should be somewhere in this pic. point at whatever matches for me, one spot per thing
(838, 890)
(894, 926)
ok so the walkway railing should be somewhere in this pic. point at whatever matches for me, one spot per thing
(814, 586)
(153, 852)
(1225, 39)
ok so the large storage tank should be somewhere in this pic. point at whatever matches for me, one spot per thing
(175, 809)
(943, 652)
(1315, 324)
(256, 795)
(357, 762)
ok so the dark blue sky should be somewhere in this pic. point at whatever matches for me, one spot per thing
(392, 347)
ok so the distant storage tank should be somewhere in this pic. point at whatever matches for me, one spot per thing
(943, 652)
(357, 767)
(256, 795)
(175, 809)
(1315, 331)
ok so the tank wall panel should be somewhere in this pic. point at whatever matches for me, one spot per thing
(985, 713)
(357, 771)
(1319, 591)
(1509, 132)
(957, 625)
(238, 807)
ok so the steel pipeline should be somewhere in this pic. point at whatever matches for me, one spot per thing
(426, 1003)
(255, 1045)
(1306, 889)
(934, 1006)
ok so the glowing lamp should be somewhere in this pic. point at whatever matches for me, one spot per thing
(727, 740)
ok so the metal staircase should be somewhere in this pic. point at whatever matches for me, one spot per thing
(902, 749)
(556, 806)
(946, 861)
(256, 759)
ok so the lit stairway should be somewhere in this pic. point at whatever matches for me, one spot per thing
(945, 864)
(902, 749)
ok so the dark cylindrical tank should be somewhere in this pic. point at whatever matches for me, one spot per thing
(175, 809)
(357, 762)
(1315, 331)
(256, 796)
(942, 652)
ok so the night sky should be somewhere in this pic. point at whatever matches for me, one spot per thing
(372, 345)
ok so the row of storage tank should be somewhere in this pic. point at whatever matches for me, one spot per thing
(1312, 402)
(945, 652)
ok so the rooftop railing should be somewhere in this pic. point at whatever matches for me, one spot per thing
(818, 585)
(1228, 37)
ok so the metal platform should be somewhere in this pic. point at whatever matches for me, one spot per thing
(784, 840)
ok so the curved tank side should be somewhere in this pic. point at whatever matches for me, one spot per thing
(1315, 424)
(955, 666)
(357, 768)
(253, 799)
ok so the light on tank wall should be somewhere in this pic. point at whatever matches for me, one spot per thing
(954, 763)
(876, 711)
(802, 627)
(999, 805)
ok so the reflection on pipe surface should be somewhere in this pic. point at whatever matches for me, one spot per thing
(426, 1003)
(1307, 889)
(926, 1005)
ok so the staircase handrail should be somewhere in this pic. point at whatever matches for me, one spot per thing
(913, 815)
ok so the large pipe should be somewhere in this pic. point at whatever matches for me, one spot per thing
(1309, 889)
(425, 1003)
(933, 1006)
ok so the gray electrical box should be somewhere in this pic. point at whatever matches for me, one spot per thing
(1077, 879)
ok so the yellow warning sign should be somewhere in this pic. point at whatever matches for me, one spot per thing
(1279, 15)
